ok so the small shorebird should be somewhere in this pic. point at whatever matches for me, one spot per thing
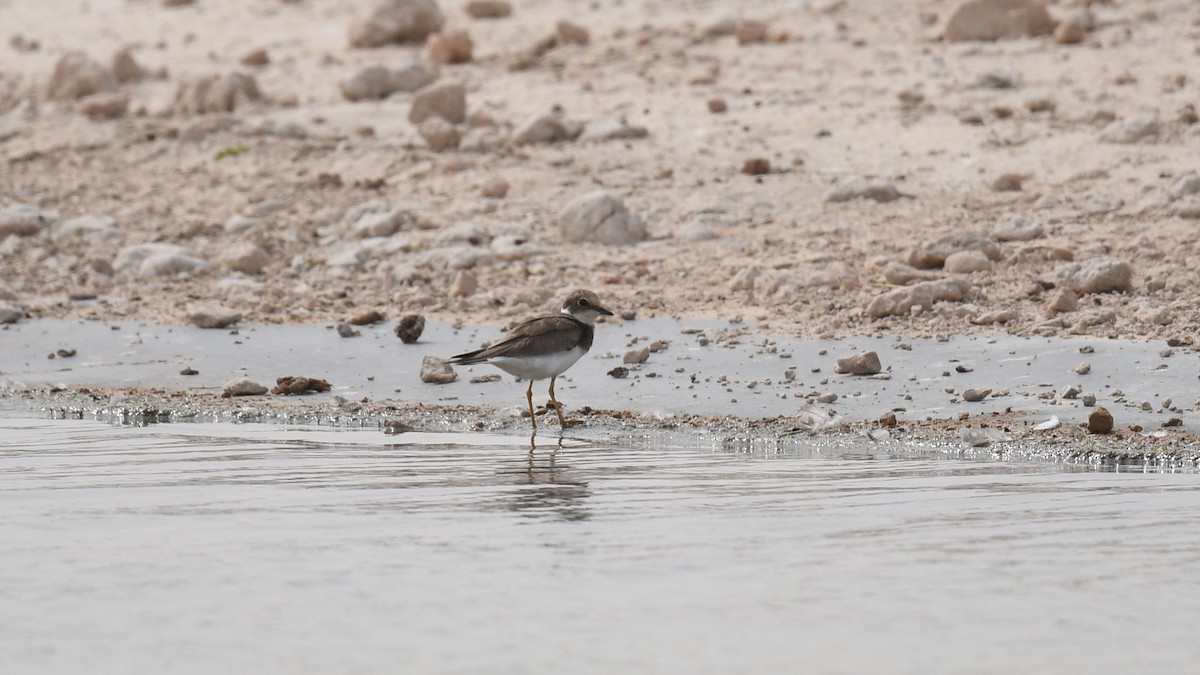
(545, 346)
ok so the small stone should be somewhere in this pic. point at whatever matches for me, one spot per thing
(545, 128)
(637, 355)
(450, 47)
(126, 69)
(620, 372)
(366, 318)
(214, 93)
(488, 9)
(255, 57)
(1172, 422)
(10, 312)
(483, 379)
(77, 75)
(860, 187)
(448, 101)
(189, 371)
(465, 284)
(295, 384)
(346, 330)
(1008, 182)
(1132, 130)
(571, 33)
(436, 371)
(1083, 368)
(600, 217)
(375, 82)
(609, 129)
(994, 317)
(439, 134)
(1097, 275)
(748, 31)
(976, 395)
(1069, 392)
(888, 420)
(756, 166)
(966, 262)
(1015, 227)
(1037, 105)
(1063, 300)
(215, 316)
(717, 105)
(720, 25)
(1187, 185)
(1088, 400)
(242, 386)
(105, 106)
(933, 254)
(397, 21)
(1100, 421)
(245, 257)
(154, 259)
(901, 301)
(25, 220)
(1147, 406)
(1069, 32)
(828, 397)
(494, 188)
(410, 327)
(864, 363)
(989, 20)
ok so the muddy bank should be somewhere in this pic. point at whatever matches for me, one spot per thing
(717, 379)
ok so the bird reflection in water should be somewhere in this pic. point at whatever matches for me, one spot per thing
(547, 486)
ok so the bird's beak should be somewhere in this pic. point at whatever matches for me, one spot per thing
(601, 310)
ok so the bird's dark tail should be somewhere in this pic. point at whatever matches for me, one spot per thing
(468, 358)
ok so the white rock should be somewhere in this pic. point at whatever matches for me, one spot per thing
(436, 371)
(448, 101)
(1188, 207)
(10, 312)
(439, 134)
(245, 257)
(77, 75)
(214, 316)
(397, 21)
(382, 223)
(1132, 130)
(239, 224)
(25, 220)
(156, 259)
(608, 129)
(494, 187)
(571, 33)
(1188, 184)
(91, 227)
(1155, 314)
(697, 229)
(1016, 227)
(720, 25)
(1097, 275)
(243, 386)
(966, 262)
(454, 46)
(900, 301)
(600, 217)
(465, 284)
(858, 187)
(375, 82)
(997, 20)
(547, 128)
(934, 253)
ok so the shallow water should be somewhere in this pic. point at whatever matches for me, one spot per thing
(201, 548)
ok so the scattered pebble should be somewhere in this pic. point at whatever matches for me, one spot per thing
(571, 33)
(376, 82)
(1097, 275)
(494, 187)
(902, 300)
(453, 46)
(244, 257)
(448, 101)
(861, 187)
(601, 217)
(1069, 392)
(397, 21)
(439, 134)
(465, 284)
(77, 75)
(214, 316)
(1008, 182)
(214, 93)
(410, 327)
(549, 127)
(436, 371)
(717, 105)
(620, 372)
(756, 166)
(346, 330)
(967, 262)
(748, 31)
(934, 253)
(242, 386)
(637, 355)
(975, 395)
(1100, 421)
(255, 58)
(1083, 368)
(295, 384)
(189, 371)
(1016, 227)
(989, 20)
(1133, 130)
(366, 318)
(25, 220)
(155, 259)
(828, 397)
(488, 9)
(1088, 400)
(864, 363)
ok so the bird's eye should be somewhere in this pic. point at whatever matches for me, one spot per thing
(583, 302)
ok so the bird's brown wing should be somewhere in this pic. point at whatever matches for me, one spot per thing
(536, 337)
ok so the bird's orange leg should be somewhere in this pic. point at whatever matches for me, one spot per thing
(563, 422)
(529, 397)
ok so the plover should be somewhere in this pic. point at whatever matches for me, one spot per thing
(544, 347)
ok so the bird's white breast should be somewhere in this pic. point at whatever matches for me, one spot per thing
(538, 367)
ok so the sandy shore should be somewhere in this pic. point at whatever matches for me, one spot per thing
(1032, 156)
